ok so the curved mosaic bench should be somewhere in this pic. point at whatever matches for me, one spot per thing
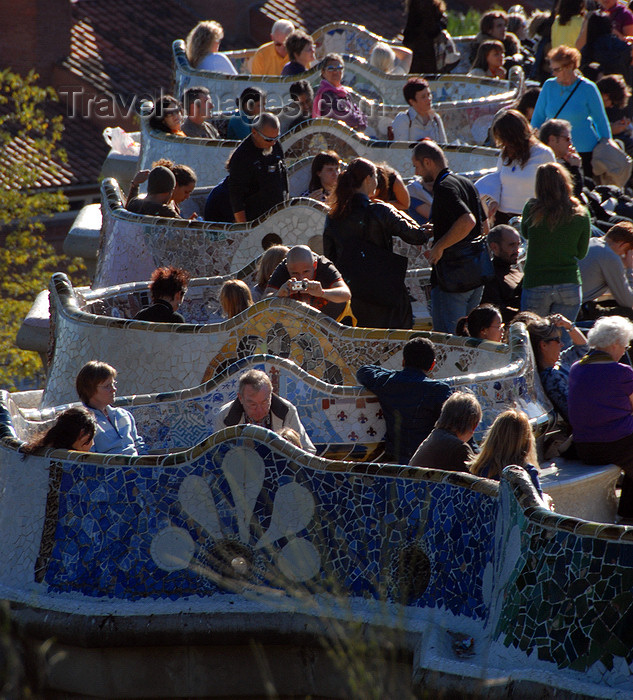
(342, 420)
(83, 238)
(202, 305)
(244, 532)
(167, 357)
(133, 245)
(359, 75)
(334, 37)
(208, 157)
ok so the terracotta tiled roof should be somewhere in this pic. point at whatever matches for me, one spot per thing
(85, 149)
(384, 17)
(124, 46)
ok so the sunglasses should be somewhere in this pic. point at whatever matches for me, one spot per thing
(268, 139)
(335, 67)
(557, 339)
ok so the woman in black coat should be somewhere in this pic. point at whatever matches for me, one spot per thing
(358, 239)
(425, 20)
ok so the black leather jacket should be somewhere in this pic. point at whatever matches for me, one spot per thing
(377, 222)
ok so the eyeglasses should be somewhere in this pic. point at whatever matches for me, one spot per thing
(110, 386)
(268, 139)
(558, 69)
(338, 66)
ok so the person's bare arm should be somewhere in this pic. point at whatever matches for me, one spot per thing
(457, 232)
(403, 200)
(338, 292)
(582, 37)
(240, 217)
(140, 177)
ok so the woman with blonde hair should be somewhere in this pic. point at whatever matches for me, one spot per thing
(508, 442)
(235, 297)
(267, 264)
(557, 228)
(203, 48)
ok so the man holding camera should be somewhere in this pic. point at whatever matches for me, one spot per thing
(310, 278)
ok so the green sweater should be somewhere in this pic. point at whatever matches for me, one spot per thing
(553, 254)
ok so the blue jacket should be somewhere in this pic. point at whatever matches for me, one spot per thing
(116, 432)
(410, 402)
(585, 111)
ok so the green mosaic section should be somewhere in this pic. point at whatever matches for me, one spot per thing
(570, 597)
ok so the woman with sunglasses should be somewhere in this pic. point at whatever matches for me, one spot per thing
(333, 99)
(569, 95)
(552, 364)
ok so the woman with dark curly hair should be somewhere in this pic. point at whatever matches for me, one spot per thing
(167, 116)
(521, 154)
(168, 288)
(74, 429)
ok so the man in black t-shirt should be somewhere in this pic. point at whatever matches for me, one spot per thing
(458, 226)
(322, 285)
(257, 173)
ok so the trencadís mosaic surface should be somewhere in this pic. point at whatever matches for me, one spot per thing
(208, 157)
(244, 514)
(339, 419)
(202, 305)
(167, 357)
(359, 75)
(133, 245)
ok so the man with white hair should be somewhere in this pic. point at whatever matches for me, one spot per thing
(258, 405)
(271, 57)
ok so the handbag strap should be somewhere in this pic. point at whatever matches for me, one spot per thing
(562, 107)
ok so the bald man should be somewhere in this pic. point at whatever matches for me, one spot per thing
(270, 58)
(311, 278)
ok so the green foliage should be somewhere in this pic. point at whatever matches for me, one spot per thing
(463, 25)
(29, 146)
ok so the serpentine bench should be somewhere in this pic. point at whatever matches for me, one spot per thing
(167, 357)
(343, 422)
(208, 157)
(368, 81)
(133, 245)
(246, 534)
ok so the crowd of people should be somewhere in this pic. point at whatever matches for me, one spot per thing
(546, 189)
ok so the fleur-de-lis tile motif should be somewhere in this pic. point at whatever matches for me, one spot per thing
(173, 548)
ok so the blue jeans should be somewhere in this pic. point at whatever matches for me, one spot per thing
(549, 299)
(448, 307)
